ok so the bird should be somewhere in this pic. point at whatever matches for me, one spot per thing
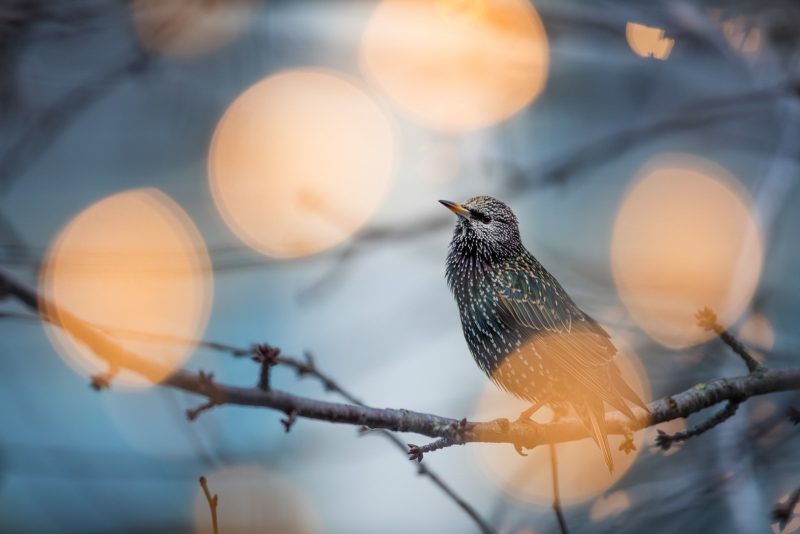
(523, 329)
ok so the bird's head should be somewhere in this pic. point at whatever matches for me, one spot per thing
(485, 225)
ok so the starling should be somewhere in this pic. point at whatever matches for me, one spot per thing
(522, 328)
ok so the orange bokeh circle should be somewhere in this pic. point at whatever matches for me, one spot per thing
(454, 65)
(299, 162)
(134, 268)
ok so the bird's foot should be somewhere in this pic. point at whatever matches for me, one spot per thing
(525, 417)
(518, 448)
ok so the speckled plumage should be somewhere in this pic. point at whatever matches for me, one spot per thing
(522, 328)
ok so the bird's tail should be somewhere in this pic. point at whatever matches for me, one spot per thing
(594, 417)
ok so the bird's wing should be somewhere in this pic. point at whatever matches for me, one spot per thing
(533, 302)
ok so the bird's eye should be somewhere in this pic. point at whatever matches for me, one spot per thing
(482, 217)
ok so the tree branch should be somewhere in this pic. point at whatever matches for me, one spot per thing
(706, 318)
(203, 383)
(665, 440)
(527, 434)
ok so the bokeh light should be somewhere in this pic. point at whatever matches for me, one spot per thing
(299, 162)
(457, 65)
(582, 472)
(131, 263)
(185, 28)
(685, 238)
(252, 499)
(437, 162)
(647, 41)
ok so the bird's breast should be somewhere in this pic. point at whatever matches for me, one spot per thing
(490, 340)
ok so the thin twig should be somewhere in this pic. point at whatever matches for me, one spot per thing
(194, 413)
(706, 318)
(213, 502)
(665, 440)
(562, 524)
(415, 452)
(267, 356)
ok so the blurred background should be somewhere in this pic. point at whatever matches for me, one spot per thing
(245, 171)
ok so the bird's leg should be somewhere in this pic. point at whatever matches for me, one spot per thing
(527, 414)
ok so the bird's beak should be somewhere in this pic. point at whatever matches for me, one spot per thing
(456, 208)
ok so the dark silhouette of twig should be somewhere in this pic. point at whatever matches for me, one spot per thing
(707, 319)
(291, 418)
(213, 502)
(783, 513)
(267, 356)
(665, 441)
(415, 452)
(562, 523)
(193, 413)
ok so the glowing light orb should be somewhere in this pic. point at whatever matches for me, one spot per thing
(184, 28)
(252, 499)
(646, 41)
(457, 65)
(684, 238)
(299, 162)
(582, 472)
(135, 264)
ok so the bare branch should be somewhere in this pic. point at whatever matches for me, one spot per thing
(213, 502)
(193, 413)
(267, 356)
(291, 418)
(416, 452)
(665, 440)
(206, 386)
(706, 318)
(527, 434)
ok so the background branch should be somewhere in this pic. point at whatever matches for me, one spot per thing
(213, 501)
